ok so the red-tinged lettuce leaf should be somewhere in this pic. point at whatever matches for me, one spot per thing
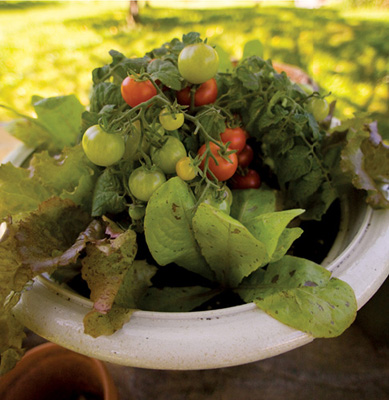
(50, 237)
(366, 159)
(97, 324)
(105, 265)
(70, 175)
(303, 295)
(135, 284)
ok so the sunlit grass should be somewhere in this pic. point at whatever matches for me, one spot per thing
(52, 50)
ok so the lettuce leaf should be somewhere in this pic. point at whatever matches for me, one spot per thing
(303, 295)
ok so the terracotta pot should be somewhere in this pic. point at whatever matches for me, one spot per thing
(49, 372)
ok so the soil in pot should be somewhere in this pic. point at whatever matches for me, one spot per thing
(49, 372)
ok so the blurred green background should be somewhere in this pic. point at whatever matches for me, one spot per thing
(50, 48)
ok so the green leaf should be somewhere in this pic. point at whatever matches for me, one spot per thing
(253, 48)
(269, 229)
(69, 175)
(105, 93)
(168, 228)
(225, 64)
(106, 264)
(108, 195)
(248, 204)
(229, 248)
(212, 121)
(166, 72)
(176, 299)
(303, 295)
(61, 116)
(19, 193)
(29, 132)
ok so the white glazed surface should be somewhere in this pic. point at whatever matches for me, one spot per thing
(208, 339)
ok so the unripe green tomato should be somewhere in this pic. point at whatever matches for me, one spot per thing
(102, 148)
(136, 211)
(198, 63)
(167, 156)
(171, 121)
(318, 107)
(143, 182)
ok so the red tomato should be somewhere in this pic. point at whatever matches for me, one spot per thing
(134, 92)
(205, 94)
(246, 156)
(236, 137)
(224, 168)
(251, 180)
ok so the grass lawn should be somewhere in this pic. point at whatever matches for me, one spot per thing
(51, 49)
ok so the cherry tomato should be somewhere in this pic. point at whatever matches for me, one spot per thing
(224, 168)
(102, 148)
(185, 170)
(219, 198)
(251, 180)
(143, 182)
(198, 62)
(167, 156)
(236, 137)
(136, 211)
(171, 121)
(246, 156)
(136, 92)
(318, 107)
(205, 94)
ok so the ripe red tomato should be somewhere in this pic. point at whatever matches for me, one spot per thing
(246, 156)
(223, 168)
(205, 94)
(251, 180)
(236, 137)
(136, 92)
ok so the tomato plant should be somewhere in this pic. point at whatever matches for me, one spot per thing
(136, 92)
(250, 180)
(185, 170)
(205, 94)
(167, 156)
(246, 156)
(236, 137)
(198, 62)
(102, 148)
(143, 182)
(318, 107)
(224, 167)
(171, 121)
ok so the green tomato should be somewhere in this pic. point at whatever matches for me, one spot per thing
(219, 198)
(136, 211)
(102, 148)
(185, 170)
(198, 63)
(143, 182)
(318, 107)
(171, 121)
(133, 147)
(167, 156)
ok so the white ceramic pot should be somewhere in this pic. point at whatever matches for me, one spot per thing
(208, 339)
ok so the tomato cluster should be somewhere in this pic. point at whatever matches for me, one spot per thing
(152, 139)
